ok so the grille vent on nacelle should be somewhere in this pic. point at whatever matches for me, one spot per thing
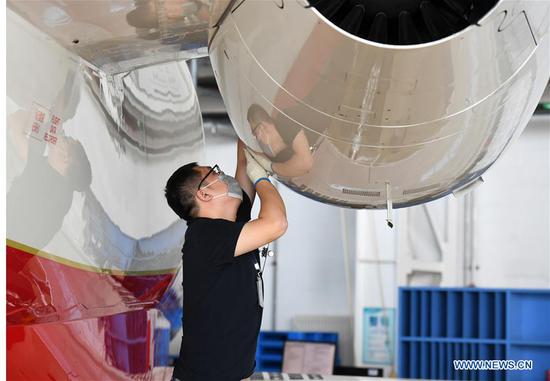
(358, 192)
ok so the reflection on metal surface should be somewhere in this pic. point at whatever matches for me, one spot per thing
(117, 36)
(147, 107)
(338, 117)
(90, 238)
(117, 348)
(45, 288)
(93, 133)
(88, 153)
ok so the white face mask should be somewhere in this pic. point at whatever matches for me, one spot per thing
(233, 188)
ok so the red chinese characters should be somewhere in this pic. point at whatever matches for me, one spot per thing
(51, 135)
(36, 128)
(45, 124)
(39, 116)
(50, 138)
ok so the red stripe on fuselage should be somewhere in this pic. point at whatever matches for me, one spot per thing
(41, 290)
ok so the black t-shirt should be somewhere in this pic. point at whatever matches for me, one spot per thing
(288, 129)
(222, 316)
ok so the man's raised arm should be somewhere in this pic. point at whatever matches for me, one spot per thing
(240, 173)
(271, 222)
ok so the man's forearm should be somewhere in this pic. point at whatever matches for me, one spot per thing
(240, 152)
(240, 173)
(272, 206)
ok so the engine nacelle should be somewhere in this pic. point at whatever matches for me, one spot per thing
(365, 103)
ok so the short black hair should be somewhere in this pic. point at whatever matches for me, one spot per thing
(257, 113)
(180, 191)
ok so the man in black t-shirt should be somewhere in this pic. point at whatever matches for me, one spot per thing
(222, 284)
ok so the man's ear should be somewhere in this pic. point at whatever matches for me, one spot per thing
(203, 196)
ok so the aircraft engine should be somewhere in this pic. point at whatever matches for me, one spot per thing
(362, 103)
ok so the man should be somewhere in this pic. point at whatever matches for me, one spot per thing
(283, 141)
(222, 284)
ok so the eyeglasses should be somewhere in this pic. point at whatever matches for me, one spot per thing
(215, 169)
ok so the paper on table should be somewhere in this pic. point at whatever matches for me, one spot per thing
(300, 357)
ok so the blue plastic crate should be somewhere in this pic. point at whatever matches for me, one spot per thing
(438, 325)
(269, 352)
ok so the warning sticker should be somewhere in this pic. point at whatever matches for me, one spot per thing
(45, 125)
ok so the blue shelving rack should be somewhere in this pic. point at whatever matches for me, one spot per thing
(269, 353)
(439, 325)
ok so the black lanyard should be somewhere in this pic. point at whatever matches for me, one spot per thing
(264, 254)
(259, 280)
(260, 268)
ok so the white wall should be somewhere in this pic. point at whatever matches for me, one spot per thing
(512, 214)
(376, 249)
(510, 232)
(505, 236)
(311, 276)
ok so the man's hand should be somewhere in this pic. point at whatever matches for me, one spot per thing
(254, 167)
(261, 159)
